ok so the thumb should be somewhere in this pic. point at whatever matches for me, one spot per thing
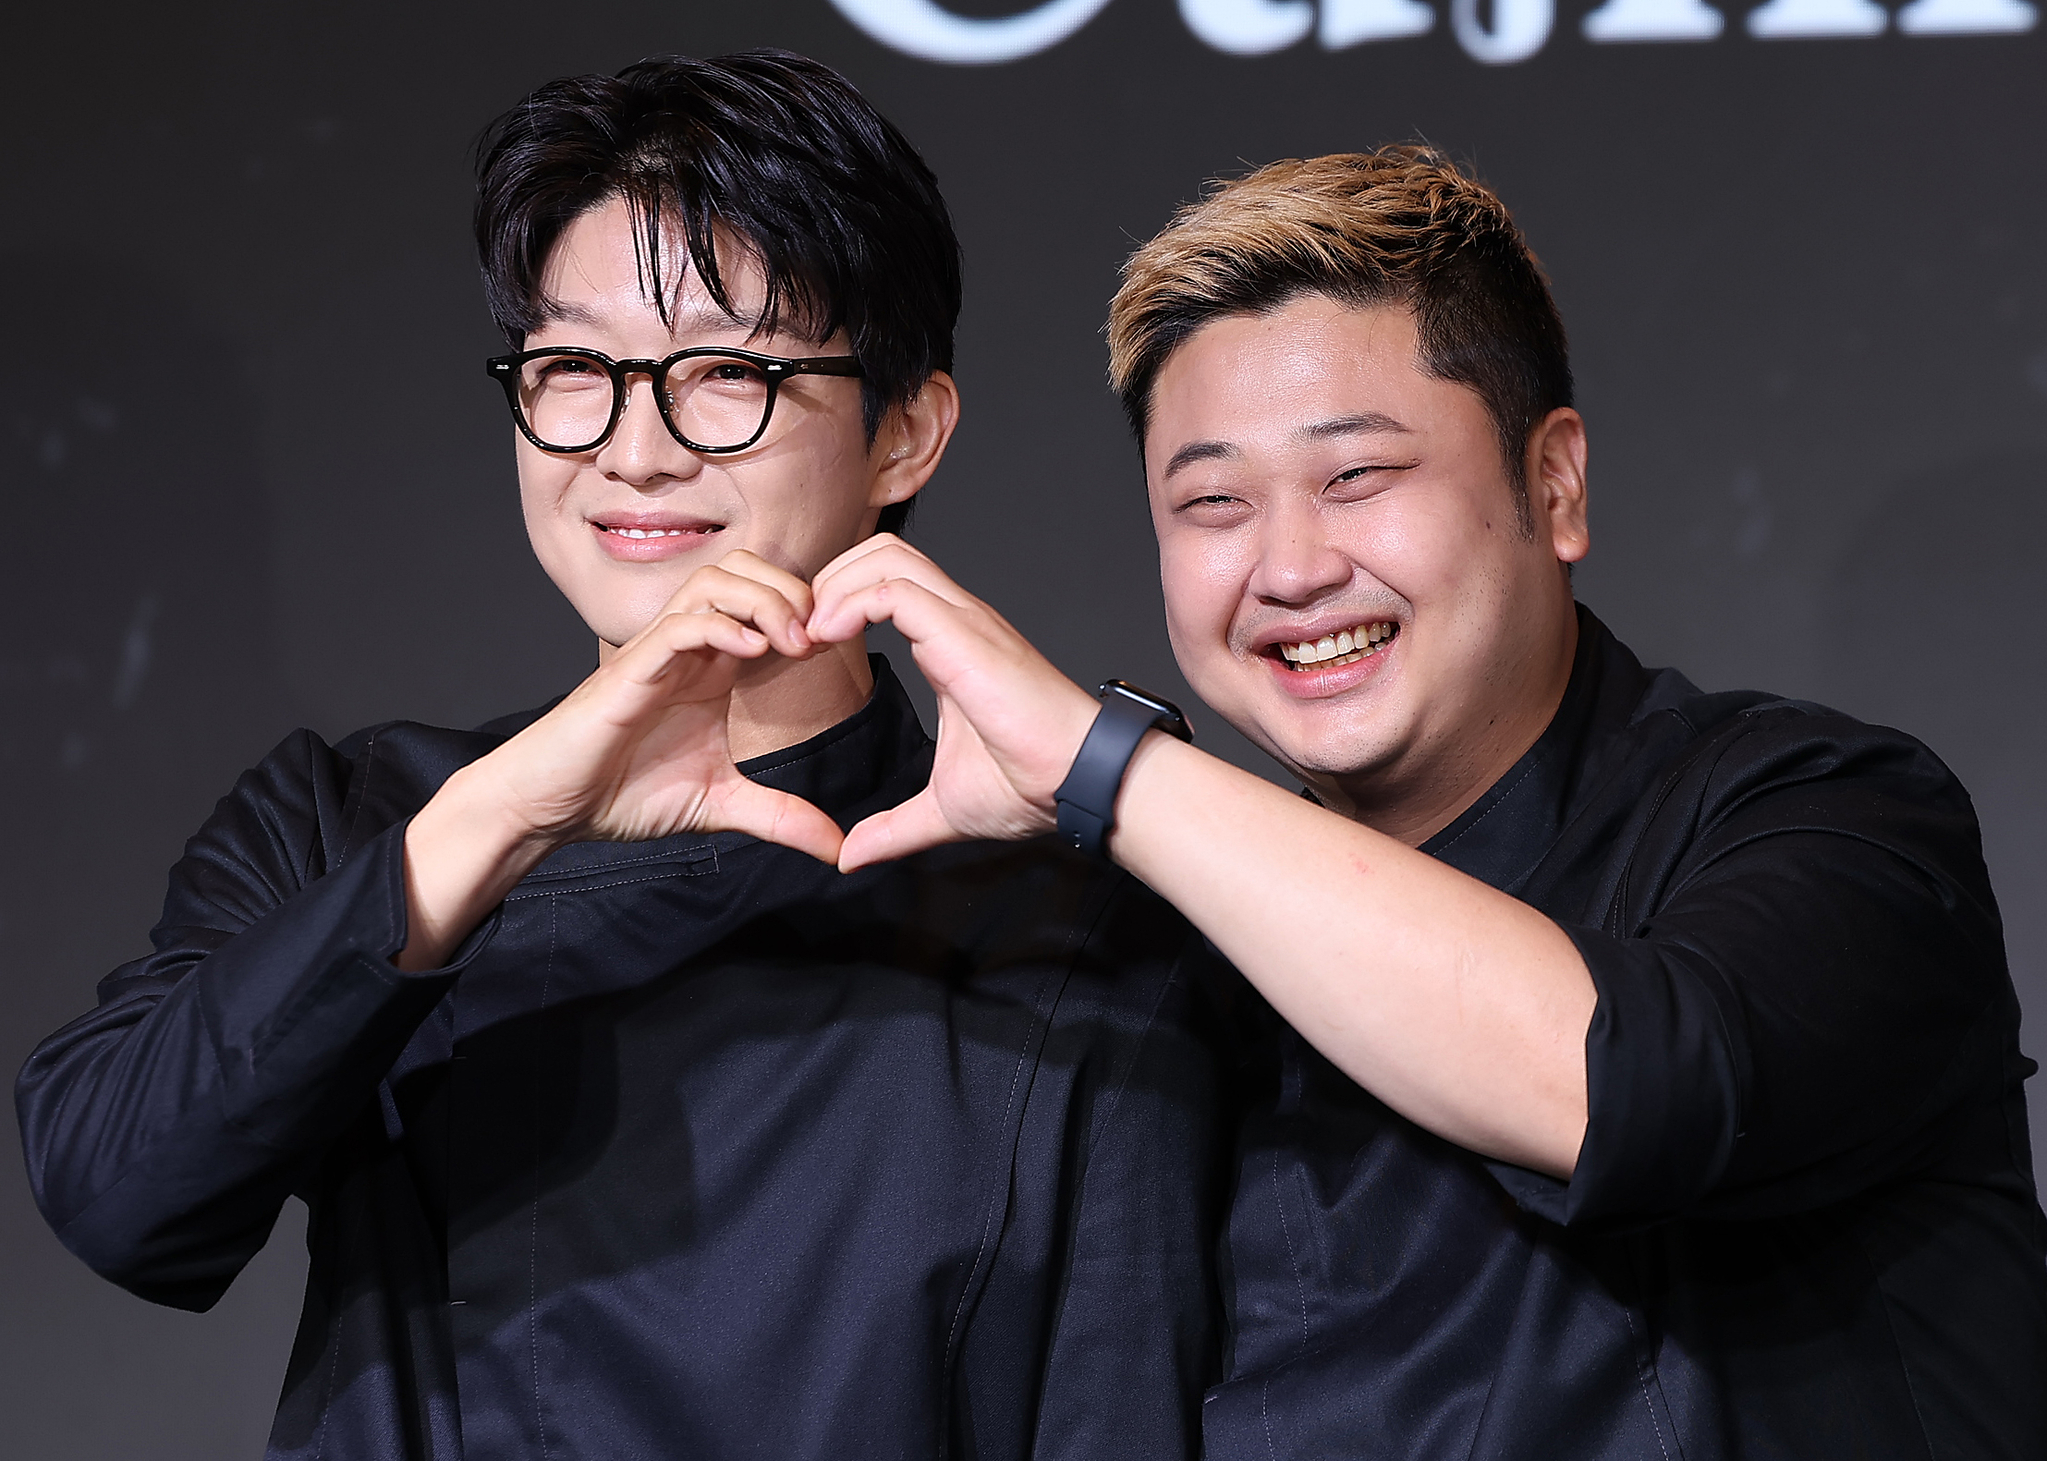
(776, 816)
(917, 824)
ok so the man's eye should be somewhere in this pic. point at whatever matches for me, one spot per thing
(1375, 475)
(734, 372)
(569, 371)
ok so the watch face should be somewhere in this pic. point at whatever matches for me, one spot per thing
(1177, 725)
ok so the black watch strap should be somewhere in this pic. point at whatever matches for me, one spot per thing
(1087, 797)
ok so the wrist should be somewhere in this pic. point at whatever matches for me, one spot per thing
(1064, 738)
(475, 807)
(1154, 778)
(470, 835)
(464, 851)
(1087, 798)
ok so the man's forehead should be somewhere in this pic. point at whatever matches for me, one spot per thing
(607, 259)
(1305, 337)
(1314, 370)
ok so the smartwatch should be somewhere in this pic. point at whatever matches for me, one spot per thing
(1087, 797)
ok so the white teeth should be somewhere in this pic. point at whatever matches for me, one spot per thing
(1347, 647)
(646, 532)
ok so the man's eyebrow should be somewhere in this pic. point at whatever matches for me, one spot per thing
(705, 317)
(548, 311)
(1363, 423)
(1199, 451)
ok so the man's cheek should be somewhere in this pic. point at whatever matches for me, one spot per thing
(1202, 581)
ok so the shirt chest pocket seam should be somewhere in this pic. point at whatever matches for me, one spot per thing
(558, 885)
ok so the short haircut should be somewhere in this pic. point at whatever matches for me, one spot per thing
(1401, 226)
(765, 149)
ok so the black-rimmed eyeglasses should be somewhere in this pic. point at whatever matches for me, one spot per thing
(714, 400)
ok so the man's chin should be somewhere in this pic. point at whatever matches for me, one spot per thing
(1309, 747)
(617, 624)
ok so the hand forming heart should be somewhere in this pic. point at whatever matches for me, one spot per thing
(640, 750)
(1009, 723)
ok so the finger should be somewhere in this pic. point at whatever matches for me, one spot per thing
(846, 607)
(951, 642)
(894, 561)
(885, 557)
(776, 816)
(766, 606)
(861, 549)
(917, 824)
(649, 659)
(751, 565)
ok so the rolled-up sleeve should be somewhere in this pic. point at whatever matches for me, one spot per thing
(1815, 985)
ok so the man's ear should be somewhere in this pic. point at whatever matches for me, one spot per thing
(911, 440)
(1555, 474)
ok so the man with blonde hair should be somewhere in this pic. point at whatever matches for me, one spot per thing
(1638, 1073)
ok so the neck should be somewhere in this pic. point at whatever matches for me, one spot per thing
(784, 702)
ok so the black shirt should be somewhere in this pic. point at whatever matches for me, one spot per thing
(699, 1149)
(1803, 1222)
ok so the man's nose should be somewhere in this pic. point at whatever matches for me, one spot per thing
(640, 448)
(1297, 559)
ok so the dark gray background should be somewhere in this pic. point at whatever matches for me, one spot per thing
(1804, 281)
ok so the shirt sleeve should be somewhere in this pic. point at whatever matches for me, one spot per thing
(164, 1130)
(1800, 999)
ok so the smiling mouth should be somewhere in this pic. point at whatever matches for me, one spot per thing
(1332, 650)
(640, 533)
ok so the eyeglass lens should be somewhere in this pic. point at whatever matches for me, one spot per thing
(714, 401)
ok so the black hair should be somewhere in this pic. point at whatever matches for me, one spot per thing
(778, 153)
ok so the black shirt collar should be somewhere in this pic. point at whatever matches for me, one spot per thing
(856, 765)
(1503, 836)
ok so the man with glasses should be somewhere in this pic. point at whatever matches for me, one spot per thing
(629, 1126)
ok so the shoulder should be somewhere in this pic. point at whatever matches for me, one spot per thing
(297, 813)
(1793, 753)
(1751, 767)
(1717, 750)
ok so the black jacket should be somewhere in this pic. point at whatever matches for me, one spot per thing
(1803, 1223)
(699, 1148)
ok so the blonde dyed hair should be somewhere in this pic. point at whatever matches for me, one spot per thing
(1401, 226)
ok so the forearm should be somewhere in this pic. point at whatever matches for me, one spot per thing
(1460, 1007)
(164, 1130)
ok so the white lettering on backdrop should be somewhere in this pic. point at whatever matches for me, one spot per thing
(927, 29)
(1518, 30)
(1500, 34)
